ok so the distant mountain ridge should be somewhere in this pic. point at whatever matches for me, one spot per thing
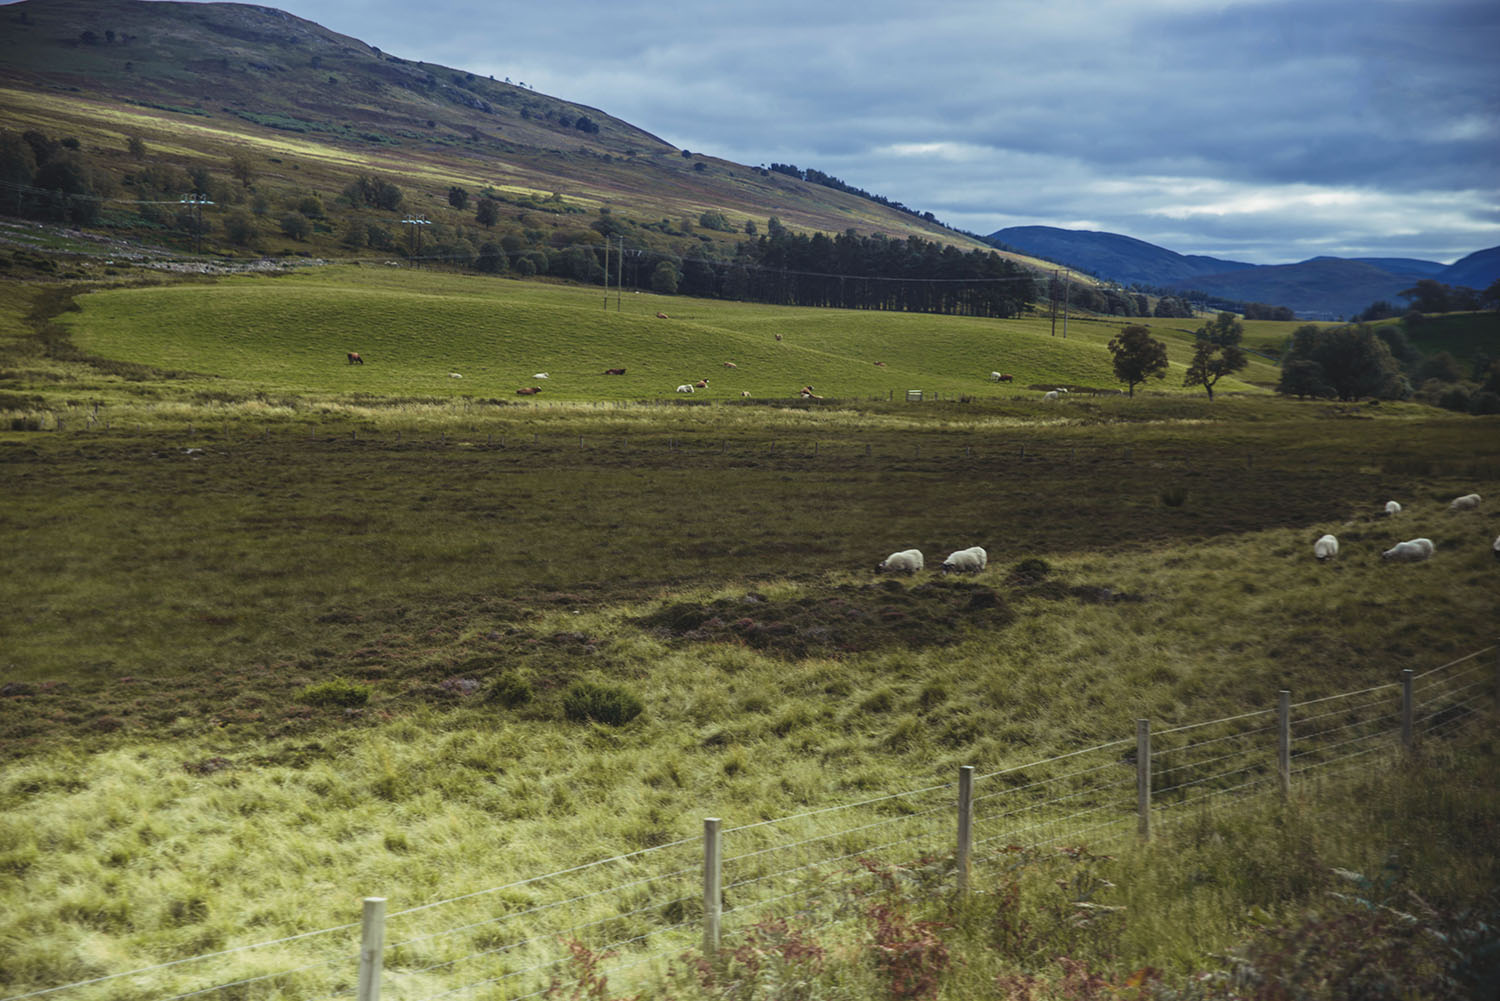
(1323, 288)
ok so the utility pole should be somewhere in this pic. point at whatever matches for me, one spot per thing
(606, 272)
(619, 273)
(198, 200)
(1067, 296)
(416, 223)
(1052, 296)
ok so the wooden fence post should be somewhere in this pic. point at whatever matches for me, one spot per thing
(371, 946)
(1407, 710)
(712, 887)
(965, 825)
(1284, 741)
(1143, 778)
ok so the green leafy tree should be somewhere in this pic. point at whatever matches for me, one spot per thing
(1218, 352)
(1428, 296)
(665, 278)
(1138, 356)
(715, 220)
(458, 197)
(240, 228)
(487, 212)
(1348, 362)
(295, 225)
(1303, 378)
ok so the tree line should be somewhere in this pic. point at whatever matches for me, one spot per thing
(851, 271)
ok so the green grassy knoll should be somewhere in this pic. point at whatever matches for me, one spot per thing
(176, 583)
(415, 328)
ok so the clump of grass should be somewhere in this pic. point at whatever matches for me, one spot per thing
(586, 701)
(335, 692)
(509, 691)
(1173, 496)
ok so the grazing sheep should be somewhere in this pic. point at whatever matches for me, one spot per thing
(355, 359)
(614, 371)
(1051, 396)
(971, 560)
(744, 392)
(1413, 551)
(540, 375)
(528, 390)
(1392, 508)
(994, 376)
(907, 561)
(778, 337)
(685, 388)
(1326, 548)
(1468, 502)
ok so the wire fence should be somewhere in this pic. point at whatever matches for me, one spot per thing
(628, 916)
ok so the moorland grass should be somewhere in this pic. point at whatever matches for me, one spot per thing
(176, 581)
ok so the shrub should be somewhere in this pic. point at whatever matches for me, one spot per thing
(337, 692)
(586, 701)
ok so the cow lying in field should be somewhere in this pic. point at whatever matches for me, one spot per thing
(614, 371)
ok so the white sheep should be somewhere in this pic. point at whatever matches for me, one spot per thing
(1413, 551)
(685, 388)
(1468, 502)
(540, 375)
(1050, 396)
(971, 560)
(1496, 547)
(1326, 548)
(1392, 508)
(906, 561)
(455, 375)
(994, 376)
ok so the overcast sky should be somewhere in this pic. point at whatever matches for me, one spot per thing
(1267, 132)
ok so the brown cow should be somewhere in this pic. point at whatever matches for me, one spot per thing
(528, 390)
(1007, 377)
(662, 316)
(614, 371)
(701, 384)
(355, 359)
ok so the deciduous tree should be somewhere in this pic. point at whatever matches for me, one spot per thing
(1138, 356)
(1218, 352)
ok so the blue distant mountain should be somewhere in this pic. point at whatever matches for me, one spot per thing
(1123, 259)
(1477, 271)
(1323, 288)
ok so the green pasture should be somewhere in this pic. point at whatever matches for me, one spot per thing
(414, 329)
(247, 516)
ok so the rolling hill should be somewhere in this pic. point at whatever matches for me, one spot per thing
(277, 110)
(1322, 288)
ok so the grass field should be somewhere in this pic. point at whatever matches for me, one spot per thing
(415, 328)
(246, 516)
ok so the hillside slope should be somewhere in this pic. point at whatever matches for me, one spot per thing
(295, 109)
